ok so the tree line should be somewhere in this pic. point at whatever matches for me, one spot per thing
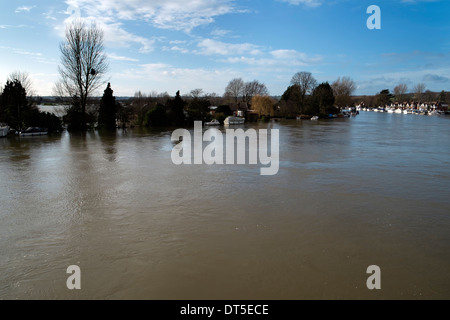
(84, 65)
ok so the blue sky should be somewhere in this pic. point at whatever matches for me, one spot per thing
(158, 46)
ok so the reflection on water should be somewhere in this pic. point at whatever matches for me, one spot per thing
(349, 194)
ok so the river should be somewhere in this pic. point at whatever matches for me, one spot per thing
(349, 193)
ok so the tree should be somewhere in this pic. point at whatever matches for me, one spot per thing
(107, 110)
(263, 105)
(291, 101)
(429, 96)
(14, 104)
(306, 83)
(235, 89)
(343, 89)
(384, 97)
(400, 92)
(83, 65)
(176, 107)
(254, 88)
(419, 89)
(156, 117)
(442, 97)
(322, 100)
(198, 106)
(24, 79)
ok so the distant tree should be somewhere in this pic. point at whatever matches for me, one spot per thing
(384, 97)
(263, 105)
(24, 79)
(322, 100)
(429, 96)
(14, 104)
(418, 90)
(196, 93)
(176, 107)
(198, 107)
(141, 105)
(400, 92)
(83, 65)
(157, 117)
(235, 89)
(225, 109)
(343, 89)
(291, 101)
(442, 97)
(306, 82)
(254, 88)
(107, 111)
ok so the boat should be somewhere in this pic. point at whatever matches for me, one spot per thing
(214, 122)
(234, 120)
(34, 131)
(315, 118)
(399, 111)
(4, 129)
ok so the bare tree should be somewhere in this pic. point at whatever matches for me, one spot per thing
(400, 92)
(419, 89)
(25, 81)
(254, 88)
(196, 93)
(235, 89)
(343, 88)
(307, 84)
(83, 64)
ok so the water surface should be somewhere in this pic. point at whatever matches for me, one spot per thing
(370, 190)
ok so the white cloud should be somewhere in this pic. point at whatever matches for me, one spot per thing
(179, 15)
(115, 57)
(164, 77)
(214, 47)
(8, 26)
(24, 9)
(309, 3)
(115, 35)
(278, 58)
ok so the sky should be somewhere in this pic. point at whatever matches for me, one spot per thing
(166, 46)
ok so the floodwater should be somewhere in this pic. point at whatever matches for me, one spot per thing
(350, 193)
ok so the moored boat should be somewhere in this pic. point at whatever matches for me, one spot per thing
(34, 131)
(4, 129)
(214, 122)
(234, 120)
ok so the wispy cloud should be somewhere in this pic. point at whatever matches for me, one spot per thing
(8, 26)
(178, 15)
(435, 78)
(214, 47)
(308, 3)
(115, 57)
(24, 9)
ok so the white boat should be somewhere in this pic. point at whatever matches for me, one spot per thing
(214, 122)
(34, 131)
(4, 130)
(315, 118)
(400, 111)
(233, 120)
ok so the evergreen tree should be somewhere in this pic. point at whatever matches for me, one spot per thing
(322, 100)
(107, 111)
(176, 107)
(14, 104)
